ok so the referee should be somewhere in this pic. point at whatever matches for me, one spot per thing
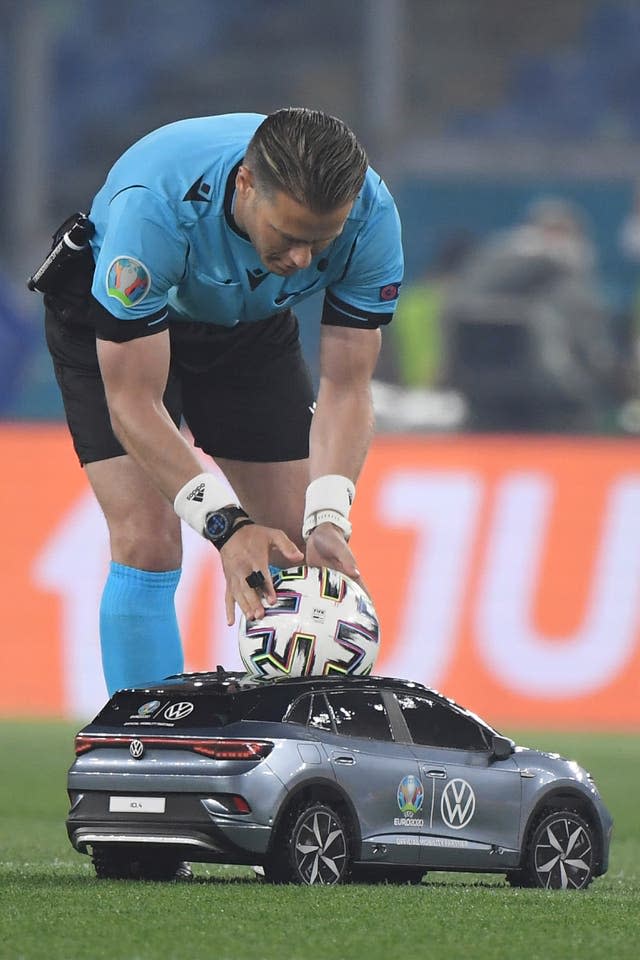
(205, 236)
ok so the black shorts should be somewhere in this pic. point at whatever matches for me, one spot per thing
(245, 392)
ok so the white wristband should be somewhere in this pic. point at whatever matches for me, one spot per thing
(199, 497)
(328, 500)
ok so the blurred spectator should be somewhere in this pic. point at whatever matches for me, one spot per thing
(18, 339)
(629, 237)
(629, 244)
(416, 332)
(527, 336)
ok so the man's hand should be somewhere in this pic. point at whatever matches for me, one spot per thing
(327, 547)
(252, 549)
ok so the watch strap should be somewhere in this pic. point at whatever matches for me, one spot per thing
(314, 520)
(231, 514)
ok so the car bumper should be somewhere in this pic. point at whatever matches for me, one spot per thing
(188, 825)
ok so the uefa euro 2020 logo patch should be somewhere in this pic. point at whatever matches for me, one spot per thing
(128, 281)
(410, 795)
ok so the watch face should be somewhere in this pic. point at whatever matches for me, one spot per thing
(217, 525)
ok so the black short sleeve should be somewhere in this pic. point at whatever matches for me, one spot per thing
(108, 327)
(337, 313)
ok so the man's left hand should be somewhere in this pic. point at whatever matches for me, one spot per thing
(327, 547)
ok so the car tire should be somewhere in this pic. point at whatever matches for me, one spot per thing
(560, 853)
(118, 864)
(313, 848)
(394, 876)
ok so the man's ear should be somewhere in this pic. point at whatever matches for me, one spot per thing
(244, 180)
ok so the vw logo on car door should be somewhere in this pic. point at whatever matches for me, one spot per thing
(178, 711)
(458, 804)
(136, 749)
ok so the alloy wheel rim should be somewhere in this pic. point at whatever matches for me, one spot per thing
(320, 849)
(563, 855)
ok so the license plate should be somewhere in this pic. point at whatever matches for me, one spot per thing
(136, 804)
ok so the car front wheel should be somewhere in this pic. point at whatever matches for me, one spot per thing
(560, 855)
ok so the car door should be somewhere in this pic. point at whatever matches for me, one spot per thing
(472, 803)
(379, 774)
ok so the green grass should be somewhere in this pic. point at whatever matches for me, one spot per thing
(51, 905)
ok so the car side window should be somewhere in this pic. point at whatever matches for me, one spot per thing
(320, 716)
(269, 705)
(435, 724)
(299, 711)
(360, 713)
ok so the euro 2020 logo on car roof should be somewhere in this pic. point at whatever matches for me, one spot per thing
(149, 708)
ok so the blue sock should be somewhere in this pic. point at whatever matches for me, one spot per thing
(139, 632)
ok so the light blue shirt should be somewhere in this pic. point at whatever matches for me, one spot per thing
(164, 237)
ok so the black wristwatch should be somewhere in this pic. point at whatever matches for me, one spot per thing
(221, 525)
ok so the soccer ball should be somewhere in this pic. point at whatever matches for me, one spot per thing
(321, 623)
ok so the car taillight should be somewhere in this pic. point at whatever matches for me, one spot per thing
(216, 749)
(233, 749)
(85, 742)
(227, 802)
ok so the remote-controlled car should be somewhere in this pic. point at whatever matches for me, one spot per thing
(325, 780)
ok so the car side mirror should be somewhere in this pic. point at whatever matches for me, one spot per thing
(501, 747)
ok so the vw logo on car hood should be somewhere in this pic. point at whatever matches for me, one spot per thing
(178, 711)
(136, 749)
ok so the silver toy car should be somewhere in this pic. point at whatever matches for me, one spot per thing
(325, 780)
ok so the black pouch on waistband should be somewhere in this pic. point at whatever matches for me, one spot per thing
(66, 274)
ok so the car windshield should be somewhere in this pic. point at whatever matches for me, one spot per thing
(180, 707)
(166, 708)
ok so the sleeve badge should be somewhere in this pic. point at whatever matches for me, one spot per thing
(128, 280)
(390, 291)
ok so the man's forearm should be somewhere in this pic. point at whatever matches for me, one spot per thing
(156, 444)
(135, 374)
(341, 431)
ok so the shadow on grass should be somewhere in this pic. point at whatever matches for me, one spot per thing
(45, 879)
(41, 879)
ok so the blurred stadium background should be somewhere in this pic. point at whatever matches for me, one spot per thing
(503, 492)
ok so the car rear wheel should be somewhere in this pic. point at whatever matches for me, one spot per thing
(561, 853)
(313, 848)
(118, 864)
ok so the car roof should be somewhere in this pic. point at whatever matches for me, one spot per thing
(240, 688)
(234, 682)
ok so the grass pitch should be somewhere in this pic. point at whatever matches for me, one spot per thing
(51, 905)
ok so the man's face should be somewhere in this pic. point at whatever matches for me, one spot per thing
(286, 234)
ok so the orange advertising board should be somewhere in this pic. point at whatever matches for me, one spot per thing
(505, 572)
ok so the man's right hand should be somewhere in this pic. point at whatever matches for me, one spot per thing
(251, 550)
